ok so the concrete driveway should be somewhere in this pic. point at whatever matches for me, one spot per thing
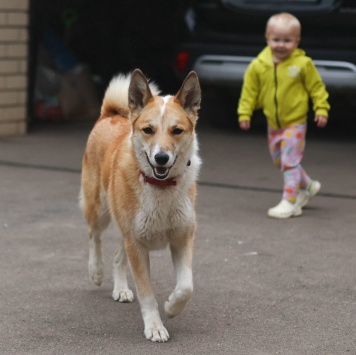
(262, 286)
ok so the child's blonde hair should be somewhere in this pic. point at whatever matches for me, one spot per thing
(284, 20)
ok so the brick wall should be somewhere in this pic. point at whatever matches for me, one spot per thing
(13, 66)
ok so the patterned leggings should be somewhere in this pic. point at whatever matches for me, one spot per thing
(286, 147)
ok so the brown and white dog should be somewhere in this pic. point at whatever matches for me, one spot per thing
(140, 168)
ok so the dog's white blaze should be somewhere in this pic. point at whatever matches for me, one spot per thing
(157, 148)
(163, 107)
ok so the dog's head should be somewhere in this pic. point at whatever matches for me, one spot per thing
(163, 128)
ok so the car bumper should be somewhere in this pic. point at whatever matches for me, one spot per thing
(228, 71)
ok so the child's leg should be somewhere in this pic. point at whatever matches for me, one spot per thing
(295, 179)
(274, 145)
(278, 148)
(304, 178)
(291, 184)
(292, 150)
(287, 148)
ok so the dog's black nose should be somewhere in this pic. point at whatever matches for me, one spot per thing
(161, 158)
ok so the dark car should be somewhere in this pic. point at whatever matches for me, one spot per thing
(227, 34)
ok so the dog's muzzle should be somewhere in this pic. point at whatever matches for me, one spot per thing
(160, 171)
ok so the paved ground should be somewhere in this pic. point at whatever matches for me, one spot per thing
(262, 286)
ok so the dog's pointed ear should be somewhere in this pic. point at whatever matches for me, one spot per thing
(139, 91)
(189, 95)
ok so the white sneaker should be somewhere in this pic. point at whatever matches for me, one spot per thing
(306, 195)
(285, 209)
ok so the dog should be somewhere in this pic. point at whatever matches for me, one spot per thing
(140, 168)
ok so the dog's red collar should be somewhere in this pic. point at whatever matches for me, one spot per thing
(161, 183)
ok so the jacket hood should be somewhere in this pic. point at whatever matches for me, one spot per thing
(266, 55)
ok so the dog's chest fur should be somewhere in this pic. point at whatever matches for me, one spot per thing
(163, 215)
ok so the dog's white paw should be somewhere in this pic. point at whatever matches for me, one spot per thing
(96, 272)
(174, 308)
(124, 295)
(156, 332)
(176, 303)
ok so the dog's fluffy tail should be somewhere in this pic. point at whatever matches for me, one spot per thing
(116, 99)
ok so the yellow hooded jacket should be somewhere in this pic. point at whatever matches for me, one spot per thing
(282, 90)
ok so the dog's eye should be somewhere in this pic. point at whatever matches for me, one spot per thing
(177, 131)
(148, 130)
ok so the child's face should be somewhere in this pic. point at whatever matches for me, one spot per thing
(282, 42)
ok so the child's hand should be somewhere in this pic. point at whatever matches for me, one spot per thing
(321, 121)
(245, 125)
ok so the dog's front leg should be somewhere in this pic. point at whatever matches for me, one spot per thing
(140, 266)
(182, 255)
(121, 291)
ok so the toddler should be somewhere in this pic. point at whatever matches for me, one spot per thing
(280, 81)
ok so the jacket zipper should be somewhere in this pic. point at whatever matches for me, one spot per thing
(275, 96)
